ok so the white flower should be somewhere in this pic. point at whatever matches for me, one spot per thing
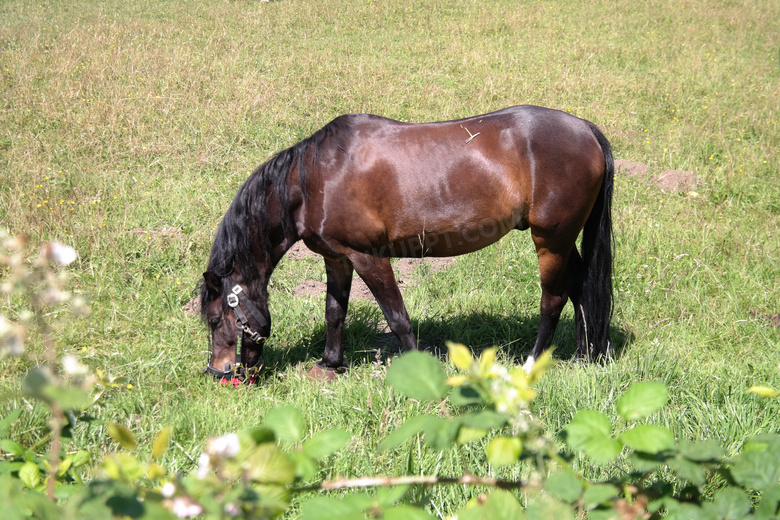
(168, 490)
(204, 465)
(73, 367)
(53, 296)
(63, 255)
(11, 338)
(185, 507)
(499, 371)
(226, 446)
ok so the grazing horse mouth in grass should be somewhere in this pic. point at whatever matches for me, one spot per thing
(364, 189)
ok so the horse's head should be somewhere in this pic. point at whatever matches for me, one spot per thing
(239, 323)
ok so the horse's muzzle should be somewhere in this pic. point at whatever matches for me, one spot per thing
(235, 375)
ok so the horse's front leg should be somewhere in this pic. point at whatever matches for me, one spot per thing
(339, 272)
(380, 279)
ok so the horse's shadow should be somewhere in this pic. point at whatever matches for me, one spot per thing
(368, 340)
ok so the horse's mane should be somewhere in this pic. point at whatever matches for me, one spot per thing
(244, 236)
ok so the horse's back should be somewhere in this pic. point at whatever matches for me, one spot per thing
(385, 182)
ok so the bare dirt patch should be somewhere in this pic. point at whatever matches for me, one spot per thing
(631, 168)
(405, 274)
(299, 250)
(676, 180)
(173, 233)
(192, 307)
(669, 180)
(310, 288)
(772, 319)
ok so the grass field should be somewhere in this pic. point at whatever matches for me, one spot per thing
(127, 127)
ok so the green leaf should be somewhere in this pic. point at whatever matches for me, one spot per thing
(269, 465)
(43, 508)
(274, 500)
(763, 443)
(64, 466)
(7, 468)
(261, 434)
(13, 447)
(485, 420)
(460, 355)
(405, 512)
(305, 467)
(440, 433)
(649, 438)
(81, 458)
(360, 501)
(499, 505)
(685, 511)
(688, 470)
(729, 504)
(404, 432)
(418, 375)
(598, 494)
(565, 486)
(704, 451)
(590, 422)
(8, 420)
(160, 444)
(764, 391)
(123, 467)
(30, 475)
(547, 508)
(287, 424)
(326, 443)
(68, 397)
(756, 470)
(467, 434)
(644, 462)
(388, 495)
(465, 395)
(591, 432)
(603, 449)
(155, 472)
(329, 508)
(641, 400)
(603, 514)
(122, 435)
(770, 503)
(503, 451)
(36, 382)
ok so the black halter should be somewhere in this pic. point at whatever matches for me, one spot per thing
(235, 300)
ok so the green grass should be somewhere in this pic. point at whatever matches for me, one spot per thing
(127, 127)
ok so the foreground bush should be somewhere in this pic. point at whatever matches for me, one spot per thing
(259, 473)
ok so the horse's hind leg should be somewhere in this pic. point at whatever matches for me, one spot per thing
(339, 274)
(554, 262)
(380, 279)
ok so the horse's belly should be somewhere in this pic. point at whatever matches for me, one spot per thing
(449, 243)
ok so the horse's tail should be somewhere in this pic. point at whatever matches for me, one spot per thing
(597, 244)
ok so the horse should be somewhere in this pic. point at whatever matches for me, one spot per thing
(365, 188)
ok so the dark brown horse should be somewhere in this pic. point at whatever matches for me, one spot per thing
(365, 188)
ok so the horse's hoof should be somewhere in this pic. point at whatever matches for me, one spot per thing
(318, 373)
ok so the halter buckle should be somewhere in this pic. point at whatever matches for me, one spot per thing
(232, 298)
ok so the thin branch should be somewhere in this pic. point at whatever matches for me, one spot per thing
(426, 480)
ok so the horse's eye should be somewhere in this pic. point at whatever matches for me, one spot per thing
(214, 322)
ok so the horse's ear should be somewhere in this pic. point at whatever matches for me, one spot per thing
(213, 282)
